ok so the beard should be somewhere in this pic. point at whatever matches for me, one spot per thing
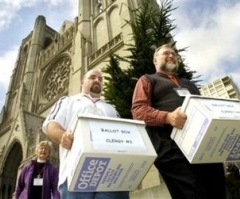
(96, 88)
(169, 67)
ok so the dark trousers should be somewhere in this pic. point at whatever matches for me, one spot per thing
(191, 181)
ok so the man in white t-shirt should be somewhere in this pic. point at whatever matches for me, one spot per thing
(60, 119)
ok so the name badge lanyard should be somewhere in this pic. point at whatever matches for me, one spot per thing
(93, 101)
(40, 171)
(174, 80)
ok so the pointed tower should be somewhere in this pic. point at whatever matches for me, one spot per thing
(19, 127)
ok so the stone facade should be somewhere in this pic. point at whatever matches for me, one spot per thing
(51, 64)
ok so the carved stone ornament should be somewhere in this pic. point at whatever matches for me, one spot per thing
(57, 79)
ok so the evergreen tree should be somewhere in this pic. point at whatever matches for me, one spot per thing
(117, 90)
(151, 28)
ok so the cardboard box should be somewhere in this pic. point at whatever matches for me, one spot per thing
(109, 154)
(212, 131)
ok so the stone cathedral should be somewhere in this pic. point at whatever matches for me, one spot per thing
(50, 64)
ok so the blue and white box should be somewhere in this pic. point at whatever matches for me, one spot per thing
(211, 133)
(109, 154)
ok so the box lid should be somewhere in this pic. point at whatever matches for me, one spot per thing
(97, 117)
(229, 109)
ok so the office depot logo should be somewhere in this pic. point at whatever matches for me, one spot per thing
(91, 173)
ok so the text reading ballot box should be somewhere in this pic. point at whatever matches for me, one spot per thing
(109, 154)
(212, 130)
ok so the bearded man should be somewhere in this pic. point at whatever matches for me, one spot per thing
(157, 100)
(60, 119)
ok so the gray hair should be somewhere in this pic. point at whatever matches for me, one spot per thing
(162, 46)
(44, 143)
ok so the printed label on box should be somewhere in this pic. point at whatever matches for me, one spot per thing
(116, 136)
(91, 173)
(224, 109)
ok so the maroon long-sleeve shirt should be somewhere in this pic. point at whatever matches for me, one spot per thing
(141, 103)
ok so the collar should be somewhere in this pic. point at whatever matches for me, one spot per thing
(90, 97)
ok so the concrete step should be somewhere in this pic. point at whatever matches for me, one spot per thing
(156, 192)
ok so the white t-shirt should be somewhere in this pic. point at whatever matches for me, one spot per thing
(65, 111)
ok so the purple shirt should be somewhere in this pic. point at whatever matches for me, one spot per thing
(50, 181)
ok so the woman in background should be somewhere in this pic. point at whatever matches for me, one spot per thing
(39, 178)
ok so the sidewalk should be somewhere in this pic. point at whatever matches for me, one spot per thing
(159, 192)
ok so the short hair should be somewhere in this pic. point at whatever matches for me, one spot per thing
(163, 46)
(44, 143)
(94, 69)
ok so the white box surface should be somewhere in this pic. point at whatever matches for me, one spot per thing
(109, 154)
(212, 131)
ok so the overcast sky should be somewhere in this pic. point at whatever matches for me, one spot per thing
(210, 28)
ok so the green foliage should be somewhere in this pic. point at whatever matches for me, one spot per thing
(117, 90)
(151, 28)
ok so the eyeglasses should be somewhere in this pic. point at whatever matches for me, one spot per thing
(168, 53)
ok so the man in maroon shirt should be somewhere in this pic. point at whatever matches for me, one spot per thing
(157, 100)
